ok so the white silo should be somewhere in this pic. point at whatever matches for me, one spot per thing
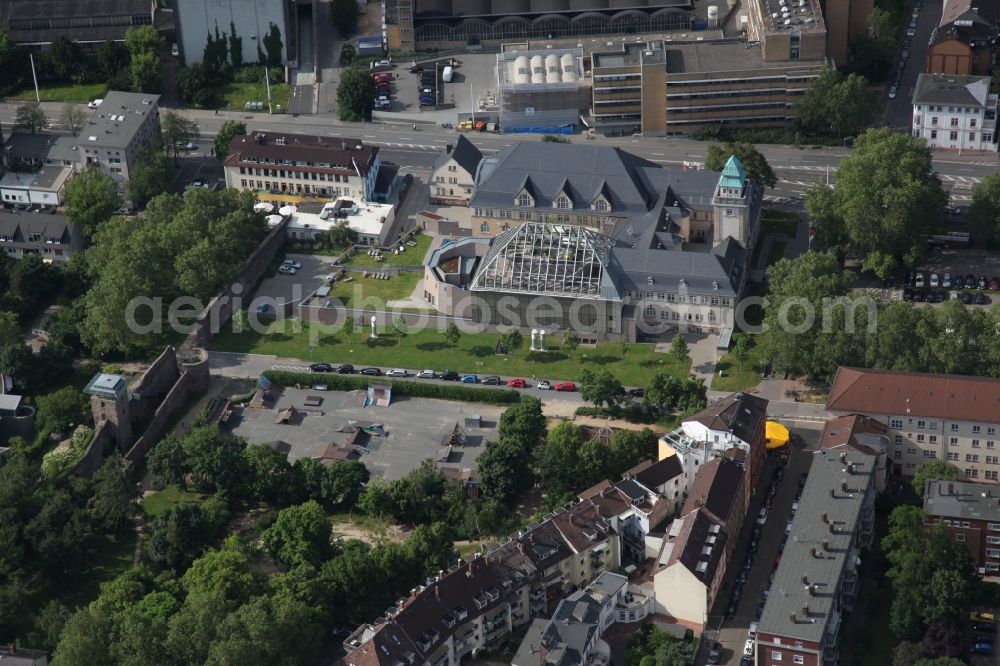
(713, 16)
(568, 63)
(553, 73)
(537, 69)
(522, 70)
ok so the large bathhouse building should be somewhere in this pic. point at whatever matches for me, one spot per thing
(600, 241)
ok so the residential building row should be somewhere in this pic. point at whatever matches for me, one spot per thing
(971, 514)
(625, 247)
(954, 112)
(47, 235)
(927, 417)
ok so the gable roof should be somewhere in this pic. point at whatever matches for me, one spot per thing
(952, 89)
(699, 546)
(466, 155)
(856, 431)
(653, 474)
(893, 393)
(717, 488)
(741, 414)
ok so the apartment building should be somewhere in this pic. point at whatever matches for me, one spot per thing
(46, 235)
(967, 39)
(862, 434)
(971, 514)
(45, 187)
(473, 605)
(118, 132)
(293, 168)
(573, 635)
(698, 546)
(816, 582)
(928, 417)
(952, 112)
(733, 428)
(454, 176)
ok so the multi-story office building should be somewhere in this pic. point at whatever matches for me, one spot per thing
(967, 39)
(928, 417)
(38, 24)
(292, 168)
(119, 131)
(816, 581)
(953, 112)
(971, 514)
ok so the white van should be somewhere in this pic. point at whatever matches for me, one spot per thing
(748, 649)
(752, 634)
(446, 74)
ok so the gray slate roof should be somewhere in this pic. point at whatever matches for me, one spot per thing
(952, 90)
(119, 117)
(957, 499)
(465, 153)
(809, 530)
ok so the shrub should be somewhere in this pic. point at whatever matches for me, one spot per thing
(57, 462)
(493, 396)
(255, 74)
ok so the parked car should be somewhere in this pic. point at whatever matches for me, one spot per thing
(291, 262)
(449, 376)
(415, 69)
(919, 281)
(516, 383)
(565, 386)
(396, 372)
(748, 562)
(934, 280)
(94, 103)
(715, 653)
(965, 297)
(802, 479)
(892, 92)
(982, 616)
(953, 295)
(637, 393)
(981, 299)
(491, 380)
(982, 646)
(263, 308)
(285, 269)
(982, 282)
(321, 367)
(737, 592)
(995, 283)
(372, 372)
(907, 294)
(970, 281)
(741, 579)
(795, 507)
(543, 385)
(425, 374)
(759, 610)
(788, 528)
(959, 282)
(762, 517)
(984, 627)
(346, 369)
(946, 281)
(469, 379)
(752, 634)
(748, 649)
(754, 545)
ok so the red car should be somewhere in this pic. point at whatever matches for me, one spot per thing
(565, 386)
(383, 85)
(383, 76)
(995, 284)
(515, 383)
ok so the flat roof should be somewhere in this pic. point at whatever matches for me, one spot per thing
(958, 499)
(48, 178)
(119, 117)
(106, 385)
(728, 55)
(369, 219)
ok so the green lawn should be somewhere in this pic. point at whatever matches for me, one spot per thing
(235, 95)
(474, 353)
(733, 379)
(412, 256)
(83, 92)
(160, 501)
(395, 288)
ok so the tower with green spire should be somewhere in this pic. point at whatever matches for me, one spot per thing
(732, 203)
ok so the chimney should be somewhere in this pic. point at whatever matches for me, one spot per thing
(805, 610)
(843, 485)
(805, 580)
(812, 592)
(814, 552)
(843, 456)
(832, 529)
(791, 618)
(826, 517)
(826, 545)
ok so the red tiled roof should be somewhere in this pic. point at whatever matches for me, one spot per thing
(891, 393)
(844, 431)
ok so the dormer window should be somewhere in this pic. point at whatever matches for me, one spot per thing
(524, 200)
(601, 204)
(562, 202)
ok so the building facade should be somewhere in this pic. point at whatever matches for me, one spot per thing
(371, 222)
(967, 39)
(862, 434)
(48, 236)
(927, 417)
(119, 131)
(454, 175)
(250, 21)
(293, 168)
(37, 24)
(816, 582)
(971, 514)
(952, 112)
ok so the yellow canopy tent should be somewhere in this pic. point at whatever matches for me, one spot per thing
(776, 435)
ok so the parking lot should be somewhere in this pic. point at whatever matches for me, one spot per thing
(474, 78)
(281, 288)
(415, 429)
(735, 614)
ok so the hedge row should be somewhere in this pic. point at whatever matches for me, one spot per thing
(456, 391)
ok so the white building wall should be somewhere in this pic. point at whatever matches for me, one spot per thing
(680, 594)
(955, 127)
(196, 19)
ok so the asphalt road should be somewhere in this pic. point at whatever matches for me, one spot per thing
(899, 111)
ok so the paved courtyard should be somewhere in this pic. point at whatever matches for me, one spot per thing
(415, 429)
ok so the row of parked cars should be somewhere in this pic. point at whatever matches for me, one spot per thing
(947, 281)
(904, 55)
(448, 376)
(984, 628)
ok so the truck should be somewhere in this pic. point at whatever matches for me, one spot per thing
(447, 73)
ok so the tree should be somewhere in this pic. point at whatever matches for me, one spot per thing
(347, 55)
(10, 330)
(400, 327)
(665, 394)
(194, 87)
(355, 96)
(504, 470)
(235, 47)
(741, 349)
(59, 410)
(63, 61)
(622, 348)
(150, 176)
(177, 132)
(452, 334)
(557, 461)
(114, 496)
(601, 388)
(273, 47)
(30, 118)
(300, 535)
(886, 199)
(340, 236)
(679, 348)
(523, 422)
(144, 72)
(178, 536)
(511, 341)
(753, 161)
(112, 58)
(938, 470)
(344, 16)
(91, 199)
(348, 326)
(836, 105)
(217, 461)
(984, 212)
(270, 477)
(85, 639)
(72, 119)
(569, 341)
(225, 135)
(167, 462)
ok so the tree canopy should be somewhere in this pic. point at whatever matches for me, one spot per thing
(91, 199)
(355, 96)
(984, 212)
(885, 200)
(151, 175)
(938, 470)
(228, 130)
(177, 132)
(836, 105)
(754, 162)
(144, 46)
(30, 118)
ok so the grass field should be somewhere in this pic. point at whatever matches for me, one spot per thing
(83, 92)
(162, 500)
(413, 256)
(235, 95)
(395, 288)
(734, 379)
(473, 353)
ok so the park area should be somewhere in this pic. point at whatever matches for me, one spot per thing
(473, 353)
